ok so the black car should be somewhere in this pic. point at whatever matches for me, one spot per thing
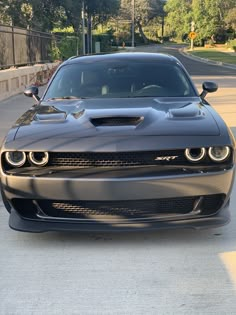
(122, 142)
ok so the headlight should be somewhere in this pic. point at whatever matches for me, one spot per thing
(195, 154)
(39, 158)
(219, 154)
(15, 158)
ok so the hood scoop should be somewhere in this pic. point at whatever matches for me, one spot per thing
(190, 111)
(116, 121)
(50, 117)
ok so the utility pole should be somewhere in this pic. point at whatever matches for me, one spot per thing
(83, 28)
(133, 17)
(88, 32)
(192, 30)
(162, 27)
(91, 36)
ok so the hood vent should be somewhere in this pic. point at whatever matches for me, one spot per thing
(116, 121)
(188, 111)
(50, 117)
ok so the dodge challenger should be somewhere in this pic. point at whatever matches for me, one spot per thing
(122, 141)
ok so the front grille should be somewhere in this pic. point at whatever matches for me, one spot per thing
(116, 121)
(130, 209)
(116, 159)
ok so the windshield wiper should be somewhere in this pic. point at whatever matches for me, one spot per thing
(143, 96)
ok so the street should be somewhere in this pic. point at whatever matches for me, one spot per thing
(161, 272)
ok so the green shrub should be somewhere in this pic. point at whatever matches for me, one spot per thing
(55, 52)
(232, 44)
(68, 46)
(64, 47)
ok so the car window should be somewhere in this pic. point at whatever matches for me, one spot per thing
(120, 79)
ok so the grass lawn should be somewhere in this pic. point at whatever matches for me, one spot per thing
(214, 55)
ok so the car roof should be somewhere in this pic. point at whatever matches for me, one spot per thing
(127, 56)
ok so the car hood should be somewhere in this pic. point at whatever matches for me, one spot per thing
(117, 117)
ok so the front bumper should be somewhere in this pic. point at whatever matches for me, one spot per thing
(57, 187)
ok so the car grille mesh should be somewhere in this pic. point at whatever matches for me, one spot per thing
(129, 209)
(116, 159)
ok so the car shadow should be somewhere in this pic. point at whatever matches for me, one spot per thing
(140, 238)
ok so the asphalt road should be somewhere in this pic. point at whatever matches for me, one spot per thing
(162, 272)
(194, 67)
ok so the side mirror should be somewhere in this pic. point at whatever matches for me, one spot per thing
(32, 91)
(208, 87)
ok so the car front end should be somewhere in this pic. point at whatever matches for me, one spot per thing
(78, 168)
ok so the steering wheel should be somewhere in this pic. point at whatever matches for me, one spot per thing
(151, 90)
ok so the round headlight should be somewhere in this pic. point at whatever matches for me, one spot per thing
(195, 154)
(39, 158)
(15, 158)
(219, 154)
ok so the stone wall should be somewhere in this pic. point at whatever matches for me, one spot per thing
(14, 80)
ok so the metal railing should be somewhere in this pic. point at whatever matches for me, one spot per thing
(20, 46)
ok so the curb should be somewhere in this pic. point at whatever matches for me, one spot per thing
(208, 61)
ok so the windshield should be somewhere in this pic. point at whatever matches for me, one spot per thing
(119, 79)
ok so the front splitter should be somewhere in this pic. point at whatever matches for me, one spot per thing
(29, 225)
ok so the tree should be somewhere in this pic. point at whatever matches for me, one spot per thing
(30, 14)
(145, 11)
(10, 12)
(45, 14)
(71, 13)
(230, 18)
(95, 10)
(179, 17)
(99, 11)
(211, 17)
(229, 15)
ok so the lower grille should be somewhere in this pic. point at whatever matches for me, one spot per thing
(130, 209)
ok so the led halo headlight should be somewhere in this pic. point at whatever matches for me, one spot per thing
(195, 154)
(39, 158)
(15, 158)
(219, 154)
